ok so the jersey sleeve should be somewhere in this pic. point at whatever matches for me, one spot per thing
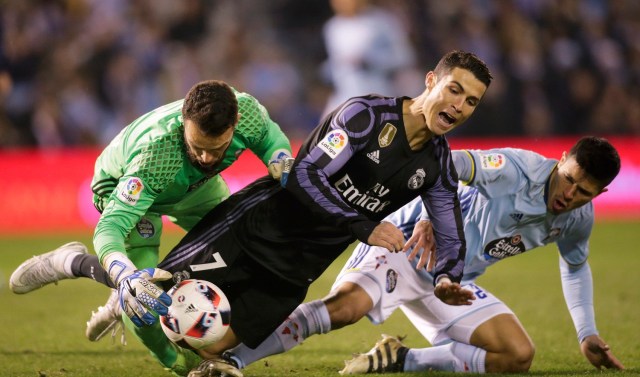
(443, 208)
(146, 175)
(329, 148)
(261, 134)
(574, 246)
(493, 172)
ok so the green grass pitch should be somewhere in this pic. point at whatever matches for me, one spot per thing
(43, 332)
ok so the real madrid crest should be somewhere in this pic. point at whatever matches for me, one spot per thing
(417, 180)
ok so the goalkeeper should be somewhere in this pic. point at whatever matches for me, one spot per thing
(167, 162)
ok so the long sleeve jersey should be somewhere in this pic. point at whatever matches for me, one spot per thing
(146, 167)
(357, 167)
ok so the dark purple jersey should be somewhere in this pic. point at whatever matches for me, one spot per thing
(355, 169)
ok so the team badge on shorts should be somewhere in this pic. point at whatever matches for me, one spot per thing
(386, 136)
(417, 180)
(145, 228)
(392, 280)
(131, 191)
(492, 161)
(334, 142)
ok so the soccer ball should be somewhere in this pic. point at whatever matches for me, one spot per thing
(199, 314)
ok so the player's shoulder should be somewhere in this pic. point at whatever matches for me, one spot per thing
(528, 162)
(358, 113)
(253, 116)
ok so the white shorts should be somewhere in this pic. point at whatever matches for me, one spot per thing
(392, 282)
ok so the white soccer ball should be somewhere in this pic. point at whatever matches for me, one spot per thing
(199, 314)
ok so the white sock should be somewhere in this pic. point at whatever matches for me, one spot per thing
(66, 266)
(307, 319)
(432, 358)
(452, 357)
(472, 357)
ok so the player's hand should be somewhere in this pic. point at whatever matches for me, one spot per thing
(277, 167)
(422, 239)
(388, 236)
(598, 353)
(453, 293)
(138, 294)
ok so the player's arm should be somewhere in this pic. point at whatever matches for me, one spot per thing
(330, 147)
(443, 208)
(577, 286)
(147, 174)
(263, 136)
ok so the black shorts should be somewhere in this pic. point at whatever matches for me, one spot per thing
(260, 300)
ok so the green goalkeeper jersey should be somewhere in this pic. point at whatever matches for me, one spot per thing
(146, 168)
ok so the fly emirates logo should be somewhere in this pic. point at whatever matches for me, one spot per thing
(370, 200)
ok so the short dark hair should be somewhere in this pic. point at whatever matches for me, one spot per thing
(598, 158)
(464, 60)
(212, 105)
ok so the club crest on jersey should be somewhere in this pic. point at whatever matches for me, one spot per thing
(417, 180)
(334, 143)
(492, 161)
(132, 190)
(145, 228)
(392, 280)
(504, 247)
(386, 136)
(553, 234)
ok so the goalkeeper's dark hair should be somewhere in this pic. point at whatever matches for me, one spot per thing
(464, 60)
(212, 105)
(598, 158)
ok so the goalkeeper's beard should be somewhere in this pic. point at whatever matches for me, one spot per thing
(208, 170)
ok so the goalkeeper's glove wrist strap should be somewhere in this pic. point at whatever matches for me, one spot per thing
(118, 267)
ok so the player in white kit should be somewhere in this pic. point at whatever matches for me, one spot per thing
(514, 201)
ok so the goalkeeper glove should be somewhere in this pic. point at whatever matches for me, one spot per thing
(283, 167)
(276, 163)
(136, 289)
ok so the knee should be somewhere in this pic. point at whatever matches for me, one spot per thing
(519, 358)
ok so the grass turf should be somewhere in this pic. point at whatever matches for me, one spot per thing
(43, 331)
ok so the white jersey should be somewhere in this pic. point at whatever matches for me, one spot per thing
(505, 211)
(504, 214)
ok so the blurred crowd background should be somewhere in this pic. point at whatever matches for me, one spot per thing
(75, 72)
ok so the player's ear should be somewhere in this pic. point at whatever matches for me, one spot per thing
(563, 159)
(430, 80)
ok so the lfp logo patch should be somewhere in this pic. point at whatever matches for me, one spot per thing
(132, 190)
(334, 143)
(492, 161)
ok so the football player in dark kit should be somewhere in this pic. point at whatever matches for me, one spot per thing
(266, 244)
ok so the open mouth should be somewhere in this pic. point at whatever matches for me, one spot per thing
(558, 205)
(447, 118)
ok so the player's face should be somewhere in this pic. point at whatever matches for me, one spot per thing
(204, 151)
(570, 187)
(451, 99)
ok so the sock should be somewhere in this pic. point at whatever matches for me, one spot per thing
(432, 358)
(68, 262)
(307, 319)
(452, 357)
(88, 266)
(472, 357)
